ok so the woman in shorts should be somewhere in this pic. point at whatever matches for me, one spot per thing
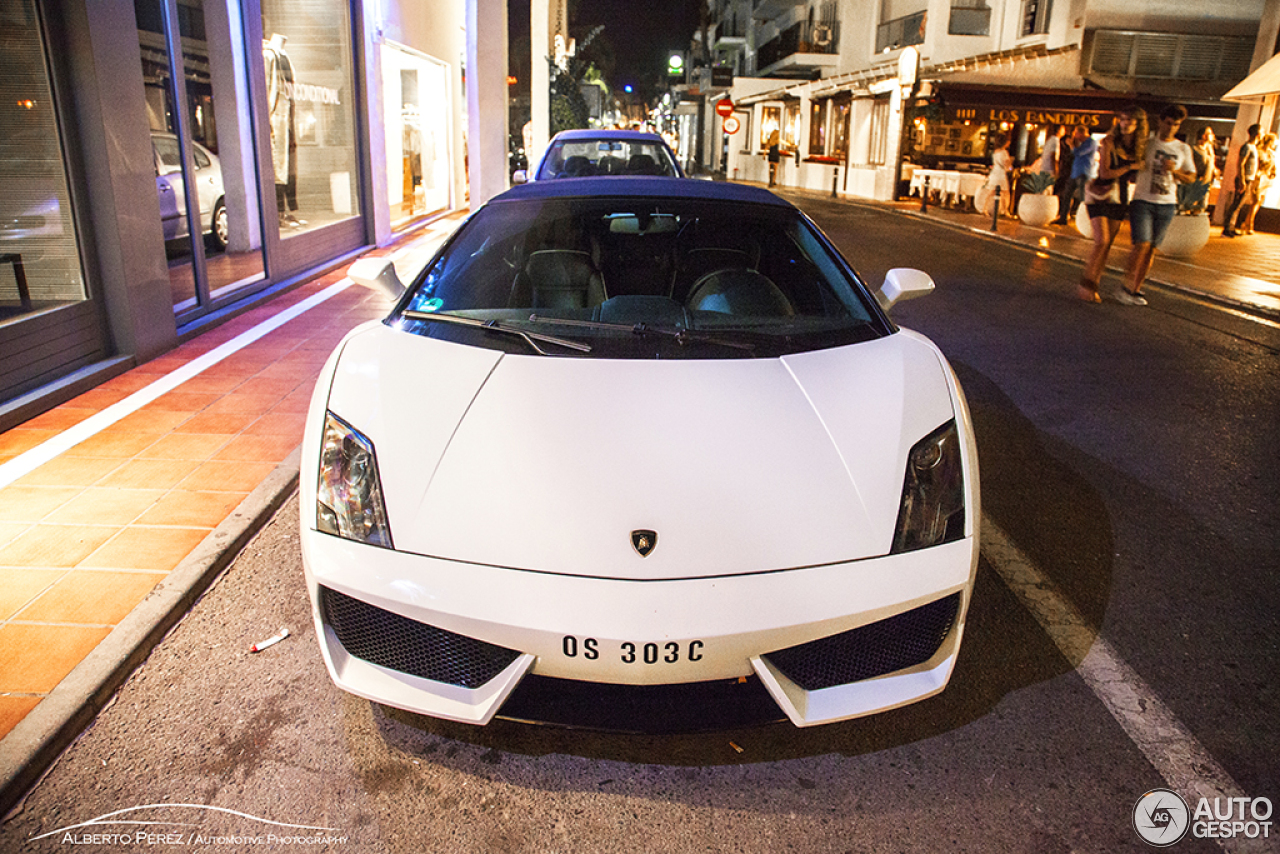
(1106, 197)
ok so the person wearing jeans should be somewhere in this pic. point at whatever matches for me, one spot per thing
(1246, 187)
(1168, 162)
(1084, 165)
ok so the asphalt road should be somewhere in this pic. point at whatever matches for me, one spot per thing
(1130, 453)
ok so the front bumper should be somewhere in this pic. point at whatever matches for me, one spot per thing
(497, 625)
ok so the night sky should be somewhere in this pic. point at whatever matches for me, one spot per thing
(638, 33)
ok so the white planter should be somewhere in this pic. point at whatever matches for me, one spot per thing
(1037, 210)
(1186, 236)
(1084, 225)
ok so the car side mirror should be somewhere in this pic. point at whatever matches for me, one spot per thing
(903, 283)
(520, 177)
(378, 274)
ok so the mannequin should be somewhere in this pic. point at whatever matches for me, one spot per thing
(284, 142)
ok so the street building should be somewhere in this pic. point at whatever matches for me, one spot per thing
(860, 94)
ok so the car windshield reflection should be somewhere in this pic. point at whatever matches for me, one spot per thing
(644, 276)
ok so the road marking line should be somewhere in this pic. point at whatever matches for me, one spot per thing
(1167, 744)
(29, 461)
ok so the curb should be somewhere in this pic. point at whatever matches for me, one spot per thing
(34, 745)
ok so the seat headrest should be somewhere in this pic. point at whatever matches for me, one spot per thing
(559, 268)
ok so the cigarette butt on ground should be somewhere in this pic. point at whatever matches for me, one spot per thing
(736, 748)
(271, 641)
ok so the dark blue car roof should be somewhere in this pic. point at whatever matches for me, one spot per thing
(630, 186)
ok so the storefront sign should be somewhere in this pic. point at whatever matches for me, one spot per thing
(1027, 115)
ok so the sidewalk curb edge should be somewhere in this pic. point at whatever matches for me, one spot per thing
(39, 739)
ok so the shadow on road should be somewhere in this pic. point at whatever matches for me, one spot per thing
(1054, 515)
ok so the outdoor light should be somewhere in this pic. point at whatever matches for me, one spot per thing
(675, 62)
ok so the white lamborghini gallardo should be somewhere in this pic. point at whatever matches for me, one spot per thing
(627, 438)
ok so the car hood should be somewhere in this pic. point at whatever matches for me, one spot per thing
(550, 464)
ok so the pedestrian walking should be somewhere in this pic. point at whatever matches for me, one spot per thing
(775, 158)
(1205, 152)
(1167, 163)
(1246, 183)
(998, 177)
(1266, 174)
(1106, 196)
(1079, 167)
(1052, 150)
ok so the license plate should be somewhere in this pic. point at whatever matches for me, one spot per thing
(633, 652)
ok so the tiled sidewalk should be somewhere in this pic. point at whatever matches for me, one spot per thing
(87, 535)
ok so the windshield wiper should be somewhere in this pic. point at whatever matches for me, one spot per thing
(680, 335)
(530, 338)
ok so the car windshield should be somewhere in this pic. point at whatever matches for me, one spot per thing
(641, 278)
(582, 158)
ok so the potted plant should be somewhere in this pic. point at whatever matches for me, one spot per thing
(1038, 206)
(1189, 231)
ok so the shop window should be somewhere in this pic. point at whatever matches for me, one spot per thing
(841, 110)
(205, 168)
(791, 126)
(879, 148)
(39, 259)
(306, 52)
(818, 127)
(770, 127)
(416, 111)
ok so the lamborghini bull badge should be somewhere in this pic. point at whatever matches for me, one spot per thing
(643, 542)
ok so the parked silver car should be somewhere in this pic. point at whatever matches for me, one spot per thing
(169, 189)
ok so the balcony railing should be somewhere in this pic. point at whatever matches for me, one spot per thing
(900, 32)
(803, 37)
(729, 29)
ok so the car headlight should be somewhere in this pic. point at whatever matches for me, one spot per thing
(932, 510)
(349, 493)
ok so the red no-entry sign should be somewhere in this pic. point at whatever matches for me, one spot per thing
(724, 107)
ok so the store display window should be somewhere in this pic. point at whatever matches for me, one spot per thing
(306, 52)
(39, 257)
(416, 113)
(770, 126)
(818, 127)
(842, 109)
(201, 142)
(791, 126)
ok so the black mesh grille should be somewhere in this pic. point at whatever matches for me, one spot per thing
(901, 641)
(399, 643)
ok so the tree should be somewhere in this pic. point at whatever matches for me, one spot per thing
(568, 107)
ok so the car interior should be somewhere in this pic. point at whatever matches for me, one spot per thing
(638, 265)
(594, 158)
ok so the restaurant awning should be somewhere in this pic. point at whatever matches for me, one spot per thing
(988, 102)
(1257, 86)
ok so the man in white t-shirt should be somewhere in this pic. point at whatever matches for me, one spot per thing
(1169, 161)
(1052, 148)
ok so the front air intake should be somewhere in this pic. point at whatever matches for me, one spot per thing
(398, 643)
(899, 642)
